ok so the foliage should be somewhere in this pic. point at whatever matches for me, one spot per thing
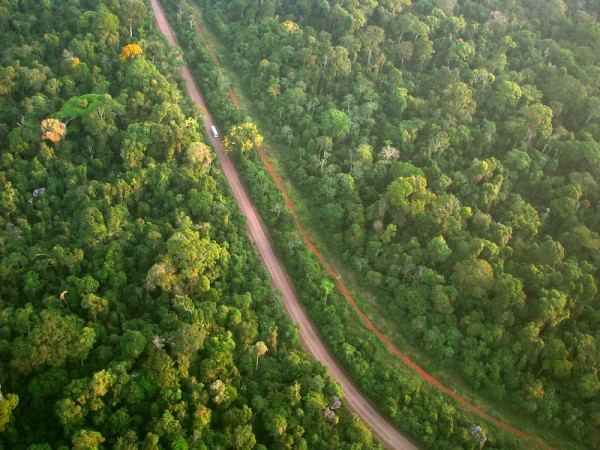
(242, 138)
(484, 168)
(130, 51)
(133, 308)
(81, 105)
(53, 129)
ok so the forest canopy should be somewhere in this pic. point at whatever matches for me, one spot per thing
(134, 312)
(449, 149)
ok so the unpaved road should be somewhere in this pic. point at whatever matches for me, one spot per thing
(357, 402)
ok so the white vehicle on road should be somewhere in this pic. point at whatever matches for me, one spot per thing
(214, 131)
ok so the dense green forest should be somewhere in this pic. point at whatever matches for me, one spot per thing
(430, 417)
(134, 312)
(450, 149)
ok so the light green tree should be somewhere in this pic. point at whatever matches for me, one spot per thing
(327, 285)
(260, 349)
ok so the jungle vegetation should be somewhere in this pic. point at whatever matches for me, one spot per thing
(450, 150)
(134, 312)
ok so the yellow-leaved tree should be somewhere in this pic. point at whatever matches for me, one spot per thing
(290, 26)
(243, 137)
(53, 129)
(130, 50)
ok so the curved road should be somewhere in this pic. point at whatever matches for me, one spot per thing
(357, 402)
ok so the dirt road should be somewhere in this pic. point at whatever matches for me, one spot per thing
(382, 429)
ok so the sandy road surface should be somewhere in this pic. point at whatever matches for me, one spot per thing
(382, 429)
